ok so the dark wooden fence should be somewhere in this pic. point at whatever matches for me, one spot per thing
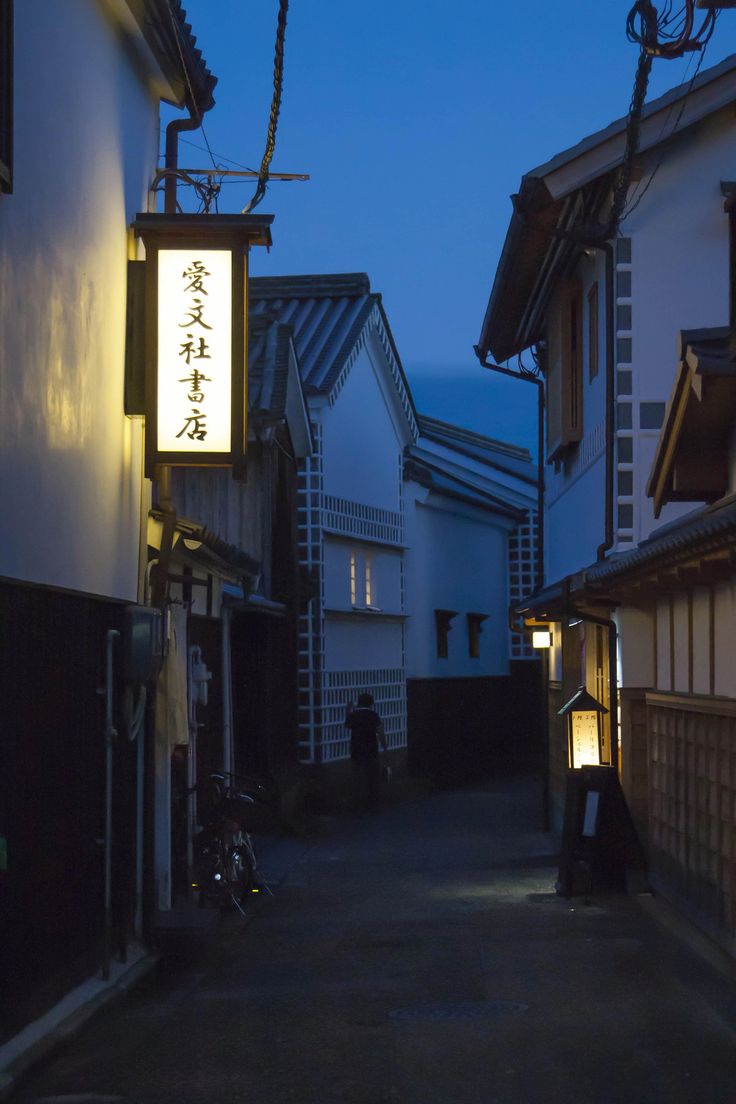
(52, 648)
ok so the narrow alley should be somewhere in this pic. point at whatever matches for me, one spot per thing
(420, 956)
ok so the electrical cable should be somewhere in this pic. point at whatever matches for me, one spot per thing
(662, 34)
(638, 195)
(278, 83)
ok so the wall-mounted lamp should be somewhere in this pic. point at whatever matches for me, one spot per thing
(541, 638)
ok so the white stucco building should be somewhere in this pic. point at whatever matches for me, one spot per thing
(80, 90)
(351, 505)
(635, 337)
(400, 519)
(470, 505)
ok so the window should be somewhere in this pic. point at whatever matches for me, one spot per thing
(370, 595)
(593, 332)
(363, 590)
(6, 95)
(443, 624)
(475, 623)
(564, 371)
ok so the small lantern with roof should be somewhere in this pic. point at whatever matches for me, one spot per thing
(584, 729)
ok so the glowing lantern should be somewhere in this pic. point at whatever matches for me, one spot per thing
(584, 719)
(196, 337)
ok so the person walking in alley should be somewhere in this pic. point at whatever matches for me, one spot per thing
(366, 737)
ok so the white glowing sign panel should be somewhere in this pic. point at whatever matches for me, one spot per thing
(194, 350)
(585, 750)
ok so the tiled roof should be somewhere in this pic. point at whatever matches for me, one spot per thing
(707, 529)
(164, 26)
(268, 367)
(435, 477)
(511, 459)
(326, 315)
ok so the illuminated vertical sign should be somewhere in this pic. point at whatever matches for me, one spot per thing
(194, 387)
(584, 742)
(196, 337)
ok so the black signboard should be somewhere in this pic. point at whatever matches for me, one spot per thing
(599, 840)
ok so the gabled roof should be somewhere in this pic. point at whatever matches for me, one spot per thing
(552, 195)
(328, 316)
(511, 459)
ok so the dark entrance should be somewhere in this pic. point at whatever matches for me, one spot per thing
(264, 694)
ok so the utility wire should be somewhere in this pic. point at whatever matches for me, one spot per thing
(639, 195)
(667, 35)
(278, 83)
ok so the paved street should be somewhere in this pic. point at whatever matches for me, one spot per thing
(421, 957)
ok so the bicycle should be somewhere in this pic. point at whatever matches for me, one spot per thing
(224, 858)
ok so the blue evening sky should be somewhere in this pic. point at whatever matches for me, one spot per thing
(416, 122)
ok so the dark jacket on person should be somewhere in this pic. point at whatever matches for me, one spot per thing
(364, 724)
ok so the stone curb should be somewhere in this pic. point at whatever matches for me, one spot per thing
(41, 1037)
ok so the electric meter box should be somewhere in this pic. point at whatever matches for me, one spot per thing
(143, 645)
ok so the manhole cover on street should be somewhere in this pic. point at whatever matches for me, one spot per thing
(460, 1010)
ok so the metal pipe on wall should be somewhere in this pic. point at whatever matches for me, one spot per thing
(539, 383)
(110, 733)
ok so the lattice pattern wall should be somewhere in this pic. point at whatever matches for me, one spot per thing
(388, 687)
(692, 811)
(359, 520)
(523, 543)
(311, 624)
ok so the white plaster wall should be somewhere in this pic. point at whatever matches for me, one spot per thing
(362, 644)
(682, 643)
(635, 647)
(457, 560)
(574, 524)
(701, 640)
(679, 269)
(725, 619)
(86, 141)
(362, 442)
(663, 645)
(385, 571)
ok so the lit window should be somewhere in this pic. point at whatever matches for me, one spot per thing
(353, 579)
(370, 595)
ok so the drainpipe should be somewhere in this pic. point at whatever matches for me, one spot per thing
(173, 130)
(110, 733)
(539, 383)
